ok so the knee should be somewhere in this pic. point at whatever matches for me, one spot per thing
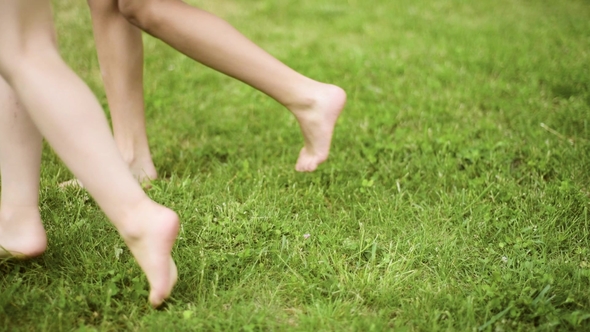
(141, 13)
(4, 68)
(21, 58)
(11, 61)
(26, 41)
(13, 66)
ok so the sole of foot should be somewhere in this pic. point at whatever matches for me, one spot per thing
(317, 124)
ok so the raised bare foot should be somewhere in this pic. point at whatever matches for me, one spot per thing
(21, 232)
(317, 120)
(150, 234)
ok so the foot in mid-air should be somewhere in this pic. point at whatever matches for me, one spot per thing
(150, 232)
(317, 119)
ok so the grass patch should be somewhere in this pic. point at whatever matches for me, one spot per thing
(456, 196)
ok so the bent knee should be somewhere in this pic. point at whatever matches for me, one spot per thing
(141, 13)
(19, 61)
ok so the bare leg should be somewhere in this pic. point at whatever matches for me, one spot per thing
(120, 53)
(69, 117)
(21, 232)
(213, 42)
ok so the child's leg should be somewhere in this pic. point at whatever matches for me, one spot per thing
(21, 231)
(64, 110)
(213, 42)
(120, 53)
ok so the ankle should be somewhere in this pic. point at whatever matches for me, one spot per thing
(143, 170)
(309, 98)
(132, 153)
(140, 163)
(17, 212)
(145, 218)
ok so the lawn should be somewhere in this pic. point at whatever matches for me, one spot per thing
(455, 198)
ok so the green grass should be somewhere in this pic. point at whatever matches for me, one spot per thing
(445, 204)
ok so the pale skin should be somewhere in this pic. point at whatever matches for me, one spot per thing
(41, 97)
(215, 43)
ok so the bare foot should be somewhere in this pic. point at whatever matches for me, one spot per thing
(317, 121)
(150, 234)
(143, 170)
(21, 232)
(71, 183)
